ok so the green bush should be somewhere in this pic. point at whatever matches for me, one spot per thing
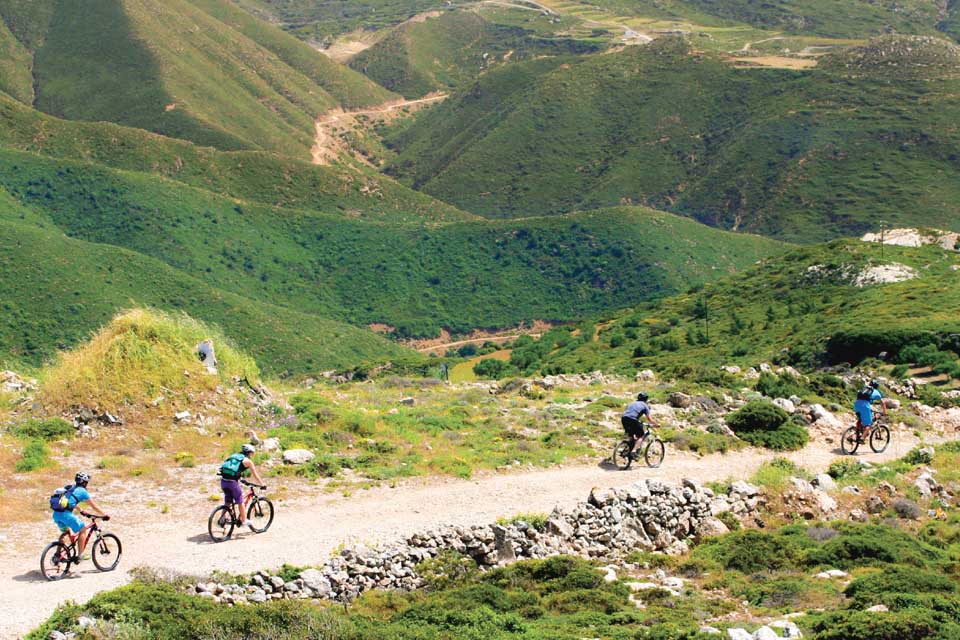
(35, 456)
(49, 429)
(864, 625)
(873, 545)
(866, 590)
(844, 468)
(765, 424)
(750, 551)
(782, 386)
(492, 368)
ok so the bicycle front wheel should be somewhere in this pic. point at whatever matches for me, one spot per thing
(879, 439)
(621, 455)
(653, 453)
(260, 515)
(850, 441)
(106, 552)
(220, 525)
(55, 561)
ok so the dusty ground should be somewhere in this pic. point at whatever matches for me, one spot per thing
(311, 523)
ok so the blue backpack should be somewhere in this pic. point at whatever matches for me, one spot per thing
(62, 499)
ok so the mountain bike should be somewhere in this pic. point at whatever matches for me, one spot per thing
(105, 550)
(877, 434)
(224, 518)
(650, 447)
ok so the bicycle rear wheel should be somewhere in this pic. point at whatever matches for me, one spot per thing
(653, 453)
(106, 552)
(260, 515)
(55, 561)
(220, 525)
(850, 441)
(621, 455)
(879, 439)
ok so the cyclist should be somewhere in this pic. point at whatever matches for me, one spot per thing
(863, 407)
(231, 471)
(631, 419)
(69, 500)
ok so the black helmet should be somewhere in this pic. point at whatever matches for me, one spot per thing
(875, 384)
(82, 478)
(642, 397)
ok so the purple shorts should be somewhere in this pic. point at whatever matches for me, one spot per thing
(231, 491)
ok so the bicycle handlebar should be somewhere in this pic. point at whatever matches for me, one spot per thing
(251, 484)
(94, 517)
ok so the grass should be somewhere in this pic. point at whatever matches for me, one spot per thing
(35, 456)
(671, 126)
(138, 356)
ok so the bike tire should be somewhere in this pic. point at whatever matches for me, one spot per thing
(260, 515)
(220, 525)
(106, 552)
(621, 455)
(849, 441)
(654, 452)
(55, 561)
(880, 439)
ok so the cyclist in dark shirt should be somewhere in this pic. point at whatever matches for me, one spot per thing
(631, 419)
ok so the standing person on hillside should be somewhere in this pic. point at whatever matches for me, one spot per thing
(863, 407)
(231, 471)
(207, 357)
(66, 500)
(632, 417)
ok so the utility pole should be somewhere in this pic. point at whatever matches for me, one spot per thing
(883, 229)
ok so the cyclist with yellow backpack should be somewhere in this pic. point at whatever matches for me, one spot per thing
(231, 471)
(63, 503)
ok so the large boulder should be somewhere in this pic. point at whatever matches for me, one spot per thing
(297, 456)
(710, 527)
(679, 400)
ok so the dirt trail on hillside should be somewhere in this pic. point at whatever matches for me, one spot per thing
(327, 146)
(308, 528)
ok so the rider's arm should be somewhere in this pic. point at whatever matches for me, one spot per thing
(253, 471)
(89, 504)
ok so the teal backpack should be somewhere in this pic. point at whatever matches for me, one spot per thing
(232, 467)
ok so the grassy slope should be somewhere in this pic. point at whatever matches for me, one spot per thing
(451, 50)
(56, 291)
(180, 69)
(459, 275)
(256, 176)
(789, 307)
(772, 151)
(315, 19)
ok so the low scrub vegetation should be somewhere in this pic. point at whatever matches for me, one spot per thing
(765, 424)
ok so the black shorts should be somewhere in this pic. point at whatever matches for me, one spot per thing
(632, 426)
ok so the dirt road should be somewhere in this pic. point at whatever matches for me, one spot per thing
(308, 528)
(327, 146)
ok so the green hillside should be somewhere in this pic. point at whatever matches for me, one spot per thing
(56, 291)
(261, 177)
(804, 308)
(773, 151)
(451, 50)
(202, 71)
(459, 275)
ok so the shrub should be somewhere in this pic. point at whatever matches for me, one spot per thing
(730, 519)
(918, 456)
(865, 625)
(782, 386)
(866, 590)
(844, 468)
(536, 520)
(35, 456)
(873, 545)
(448, 568)
(492, 368)
(750, 551)
(49, 429)
(185, 459)
(765, 424)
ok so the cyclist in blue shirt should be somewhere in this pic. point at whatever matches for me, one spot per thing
(67, 520)
(863, 406)
(631, 419)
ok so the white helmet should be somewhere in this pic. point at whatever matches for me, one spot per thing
(248, 449)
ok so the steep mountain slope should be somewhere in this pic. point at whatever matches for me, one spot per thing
(204, 71)
(267, 178)
(56, 291)
(459, 275)
(767, 150)
(452, 49)
(826, 303)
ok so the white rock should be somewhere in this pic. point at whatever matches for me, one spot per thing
(786, 405)
(801, 485)
(710, 630)
(878, 608)
(180, 416)
(297, 456)
(739, 634)
(270, 444)
(884, 274)
(85, 622)
(824, 501)
(744, 488)
(831, 573)
(765, 633)
(825, 482)
(642, 586)
(646, 375)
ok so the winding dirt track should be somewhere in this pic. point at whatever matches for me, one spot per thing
(310, 527)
